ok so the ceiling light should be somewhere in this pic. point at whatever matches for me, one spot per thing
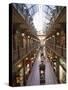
(19, 65)
(32, 58)
(26, 58)
(57, 33)
(51, 57)
(23, 34)
(53, 35)
(28, 36)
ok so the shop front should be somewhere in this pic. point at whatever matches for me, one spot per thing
(27, 67)
(20, 75)
(20, 78)
(62, 71)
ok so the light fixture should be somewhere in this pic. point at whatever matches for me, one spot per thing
(53, 35)
(26, 58)
(19, 65)
(27, 65)
(28, 36)
(57, 33)
(32, 58)
(23, 34)
(50, 57)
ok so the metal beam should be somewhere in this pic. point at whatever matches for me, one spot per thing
(47, 13)
(31, 7)
(49, 7)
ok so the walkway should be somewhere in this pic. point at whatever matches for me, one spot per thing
(34, 78)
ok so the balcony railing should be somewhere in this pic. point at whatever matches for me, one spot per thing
(61, 51)
(22, 53)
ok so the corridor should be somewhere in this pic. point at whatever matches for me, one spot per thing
(34, 78)
(38, 44)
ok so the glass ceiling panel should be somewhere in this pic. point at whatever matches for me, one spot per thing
(51, 7)
(32, 9)
(29, 5)
(48, 11)
(39, 15)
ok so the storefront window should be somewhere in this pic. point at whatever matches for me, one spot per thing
(27, 69)
(62, 72)
(19, 78)
(62, 75)
(63, 63)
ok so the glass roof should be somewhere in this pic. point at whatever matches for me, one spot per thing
(39, 15)
(48, 10)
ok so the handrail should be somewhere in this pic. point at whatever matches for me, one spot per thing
(57, 49)
(21, 54)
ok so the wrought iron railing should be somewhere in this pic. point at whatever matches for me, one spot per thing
(58, 49)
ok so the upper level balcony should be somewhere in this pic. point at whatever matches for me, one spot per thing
(57, 20)
(58, 50)
(22, 20)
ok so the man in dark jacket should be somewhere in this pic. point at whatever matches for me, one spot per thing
(42, 72)
(42, 66)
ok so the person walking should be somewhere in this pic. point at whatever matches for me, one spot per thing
(42, 72)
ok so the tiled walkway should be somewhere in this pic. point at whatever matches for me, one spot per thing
(34, 78)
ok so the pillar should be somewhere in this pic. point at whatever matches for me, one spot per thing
(57, 69)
